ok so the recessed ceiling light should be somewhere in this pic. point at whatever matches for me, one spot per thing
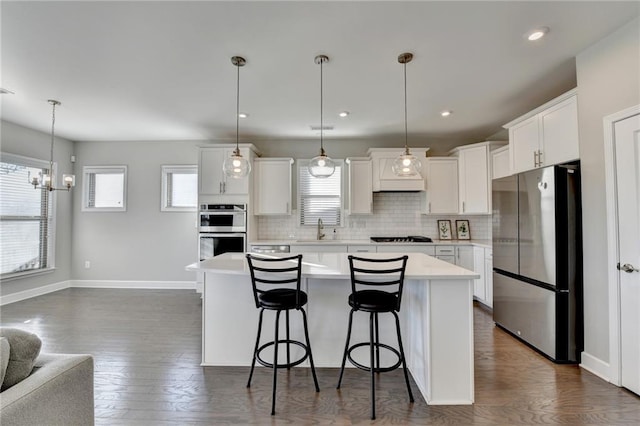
(537, 34)
(344, 114)
(446, 113)
(243, 115)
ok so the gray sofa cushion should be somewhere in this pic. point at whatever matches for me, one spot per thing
(24, 349)
(4, 357)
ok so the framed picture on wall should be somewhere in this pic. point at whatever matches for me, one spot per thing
(444, 229)
(462, 229)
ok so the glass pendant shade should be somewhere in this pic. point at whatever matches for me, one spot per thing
(406, 164)
(236, 166)
(321, 166)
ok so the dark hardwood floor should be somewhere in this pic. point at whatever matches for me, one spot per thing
(146, 345)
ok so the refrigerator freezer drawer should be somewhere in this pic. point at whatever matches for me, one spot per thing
(527, 311)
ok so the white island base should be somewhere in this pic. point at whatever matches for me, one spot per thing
(436, 319)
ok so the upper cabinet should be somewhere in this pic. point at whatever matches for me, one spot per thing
(474, 177)
(211, 178)
(272, 186)
(547, 135)
(383, 177)
(442, 185)
(500, 166)
(360, 186)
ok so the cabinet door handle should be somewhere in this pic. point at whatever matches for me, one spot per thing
(220, 187)
(539, 158)
(429, 209)
(463, 207)
(535, 158)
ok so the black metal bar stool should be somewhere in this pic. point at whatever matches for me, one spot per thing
(279, 271)
(365, 275)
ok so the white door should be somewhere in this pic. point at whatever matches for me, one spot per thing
(627, 157)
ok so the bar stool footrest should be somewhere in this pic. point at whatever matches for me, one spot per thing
(285, 365)
(376, 345)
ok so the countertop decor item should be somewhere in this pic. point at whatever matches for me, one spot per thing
(47, 181)
(236, 166)
(406, 164)
(462, 229)
(444, 229)
(321, 166)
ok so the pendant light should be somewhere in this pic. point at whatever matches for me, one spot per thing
(406, 164)
(236, 166)
(47, 181)
(321, 166)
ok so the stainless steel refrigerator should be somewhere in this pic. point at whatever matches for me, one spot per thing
(537, 259)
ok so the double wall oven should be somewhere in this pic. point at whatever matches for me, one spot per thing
(222, 229)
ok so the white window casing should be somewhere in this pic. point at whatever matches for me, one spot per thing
(320, 198)
(179, 188)
(104, 189)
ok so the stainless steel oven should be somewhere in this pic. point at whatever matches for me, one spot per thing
(215, 243)
(223, 218)
(222, 229)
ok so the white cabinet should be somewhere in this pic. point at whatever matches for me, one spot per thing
(399, 248)
(474, 178)
(500, 163)
(547, 135)
(360, 186)
(318, 248)
(446, 253)
(464, 257)
(488, 277)
(362, 248)
(479, 284)
(442, 185)
(211, 178)
(272, 186)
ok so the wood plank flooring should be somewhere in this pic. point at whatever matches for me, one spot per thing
(146, 345)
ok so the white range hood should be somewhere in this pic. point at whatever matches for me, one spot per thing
(383, 177)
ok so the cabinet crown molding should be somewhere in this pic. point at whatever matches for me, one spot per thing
(552, 102)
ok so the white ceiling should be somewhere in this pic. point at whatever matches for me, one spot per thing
(162, 70)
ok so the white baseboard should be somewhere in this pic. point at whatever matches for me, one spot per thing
(38, 291)
(595, 366)
(167, 285)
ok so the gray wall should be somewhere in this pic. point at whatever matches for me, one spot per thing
(31, 143)
(143, 243)
(608, 82)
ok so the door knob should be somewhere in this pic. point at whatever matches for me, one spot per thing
(628, 268)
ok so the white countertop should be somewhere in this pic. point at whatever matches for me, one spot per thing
(330, 242)
(336, 266)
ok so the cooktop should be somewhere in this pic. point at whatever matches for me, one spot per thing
(409, 239)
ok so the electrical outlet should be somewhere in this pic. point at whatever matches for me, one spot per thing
(87, 264)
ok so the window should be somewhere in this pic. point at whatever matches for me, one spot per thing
(104, 188)
(26, 217)
(179, 188)
(320, 198)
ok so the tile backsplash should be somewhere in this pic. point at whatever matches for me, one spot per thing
(394, 214)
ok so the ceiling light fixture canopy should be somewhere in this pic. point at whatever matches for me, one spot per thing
(236, 166)
(46, 181)
(406, 164)
(321, 166)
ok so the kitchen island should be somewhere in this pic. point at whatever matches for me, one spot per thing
(436, 318)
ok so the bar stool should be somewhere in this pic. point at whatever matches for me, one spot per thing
(367, 274)
(279, 271)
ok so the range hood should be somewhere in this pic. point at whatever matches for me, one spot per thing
(383, 178)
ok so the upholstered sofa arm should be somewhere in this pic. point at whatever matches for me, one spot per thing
(59, 391)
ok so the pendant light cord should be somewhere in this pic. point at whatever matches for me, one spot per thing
(237, 107)
(406, 146)
(321, 108)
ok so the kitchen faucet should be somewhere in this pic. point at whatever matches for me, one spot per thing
(319, 234)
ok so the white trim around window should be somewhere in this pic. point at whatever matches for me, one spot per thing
(179, 188)
(104, 189)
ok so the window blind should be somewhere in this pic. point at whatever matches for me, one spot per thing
(25, 216)
(180, 187)
(320, 198)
